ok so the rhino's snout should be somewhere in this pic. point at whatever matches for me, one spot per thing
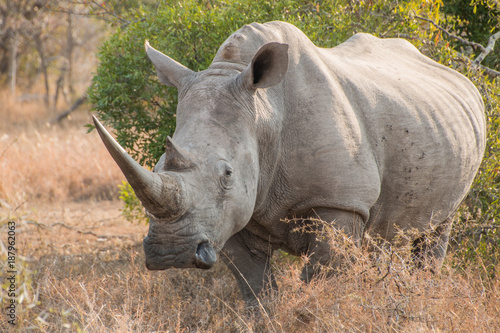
(158, 257)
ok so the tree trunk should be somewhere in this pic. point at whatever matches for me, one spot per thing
(43, 65)
(70, 44)
(14, 43)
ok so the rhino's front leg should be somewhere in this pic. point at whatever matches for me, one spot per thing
(319, 249)
(248, 257)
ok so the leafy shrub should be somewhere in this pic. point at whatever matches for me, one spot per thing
(476, 238)
(476, 20)
(132, 209)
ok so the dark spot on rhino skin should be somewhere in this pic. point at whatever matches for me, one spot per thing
(422, 156)
(384, 138)
(407, 131)
(408, 197)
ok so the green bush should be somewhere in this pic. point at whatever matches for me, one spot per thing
(476, 234)
(475, 20)
(127, 95)
(132, 209)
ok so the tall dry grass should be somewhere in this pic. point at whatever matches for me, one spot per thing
(110, 291)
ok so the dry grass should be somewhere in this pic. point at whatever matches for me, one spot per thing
(42, 163)
(81, 265)
(104, 287)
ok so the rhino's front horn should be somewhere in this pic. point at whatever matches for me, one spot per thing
(161, 194)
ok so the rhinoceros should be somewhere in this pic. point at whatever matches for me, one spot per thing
(370, 136)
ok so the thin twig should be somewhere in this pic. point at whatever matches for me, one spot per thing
(111, 13)
(48, 227)
(388, 269)
(227, 305)
(489, 71)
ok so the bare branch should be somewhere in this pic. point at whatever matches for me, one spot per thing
(103, 11)
(7, 148)
(66, 113)
(110, 13)
(50, 227)
(476, 63)
(487, 50)
(99, 15)
(489, 71)
(460, 39)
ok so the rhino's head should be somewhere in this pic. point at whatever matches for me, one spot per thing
(203, 189)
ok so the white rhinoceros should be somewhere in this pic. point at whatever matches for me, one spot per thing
(370, 135)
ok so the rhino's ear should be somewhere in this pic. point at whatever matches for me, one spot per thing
(170, 72)
(268, 66)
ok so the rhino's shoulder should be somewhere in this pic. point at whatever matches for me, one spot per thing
(367, 45)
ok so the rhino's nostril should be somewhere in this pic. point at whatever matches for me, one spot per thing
(205, 256)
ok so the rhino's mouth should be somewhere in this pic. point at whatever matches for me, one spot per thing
(158, 257)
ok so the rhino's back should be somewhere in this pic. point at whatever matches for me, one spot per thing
(424, 122)
(374, 126)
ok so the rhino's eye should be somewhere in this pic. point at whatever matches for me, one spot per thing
(227, 180)
(225, 171)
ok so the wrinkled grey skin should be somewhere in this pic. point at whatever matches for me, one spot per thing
(371, 135)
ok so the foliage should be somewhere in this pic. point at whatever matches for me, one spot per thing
(132, 210)
(475, 20)
(126, 94)
(477, 232)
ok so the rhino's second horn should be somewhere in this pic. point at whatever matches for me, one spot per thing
(177, 159)
(161, 194)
